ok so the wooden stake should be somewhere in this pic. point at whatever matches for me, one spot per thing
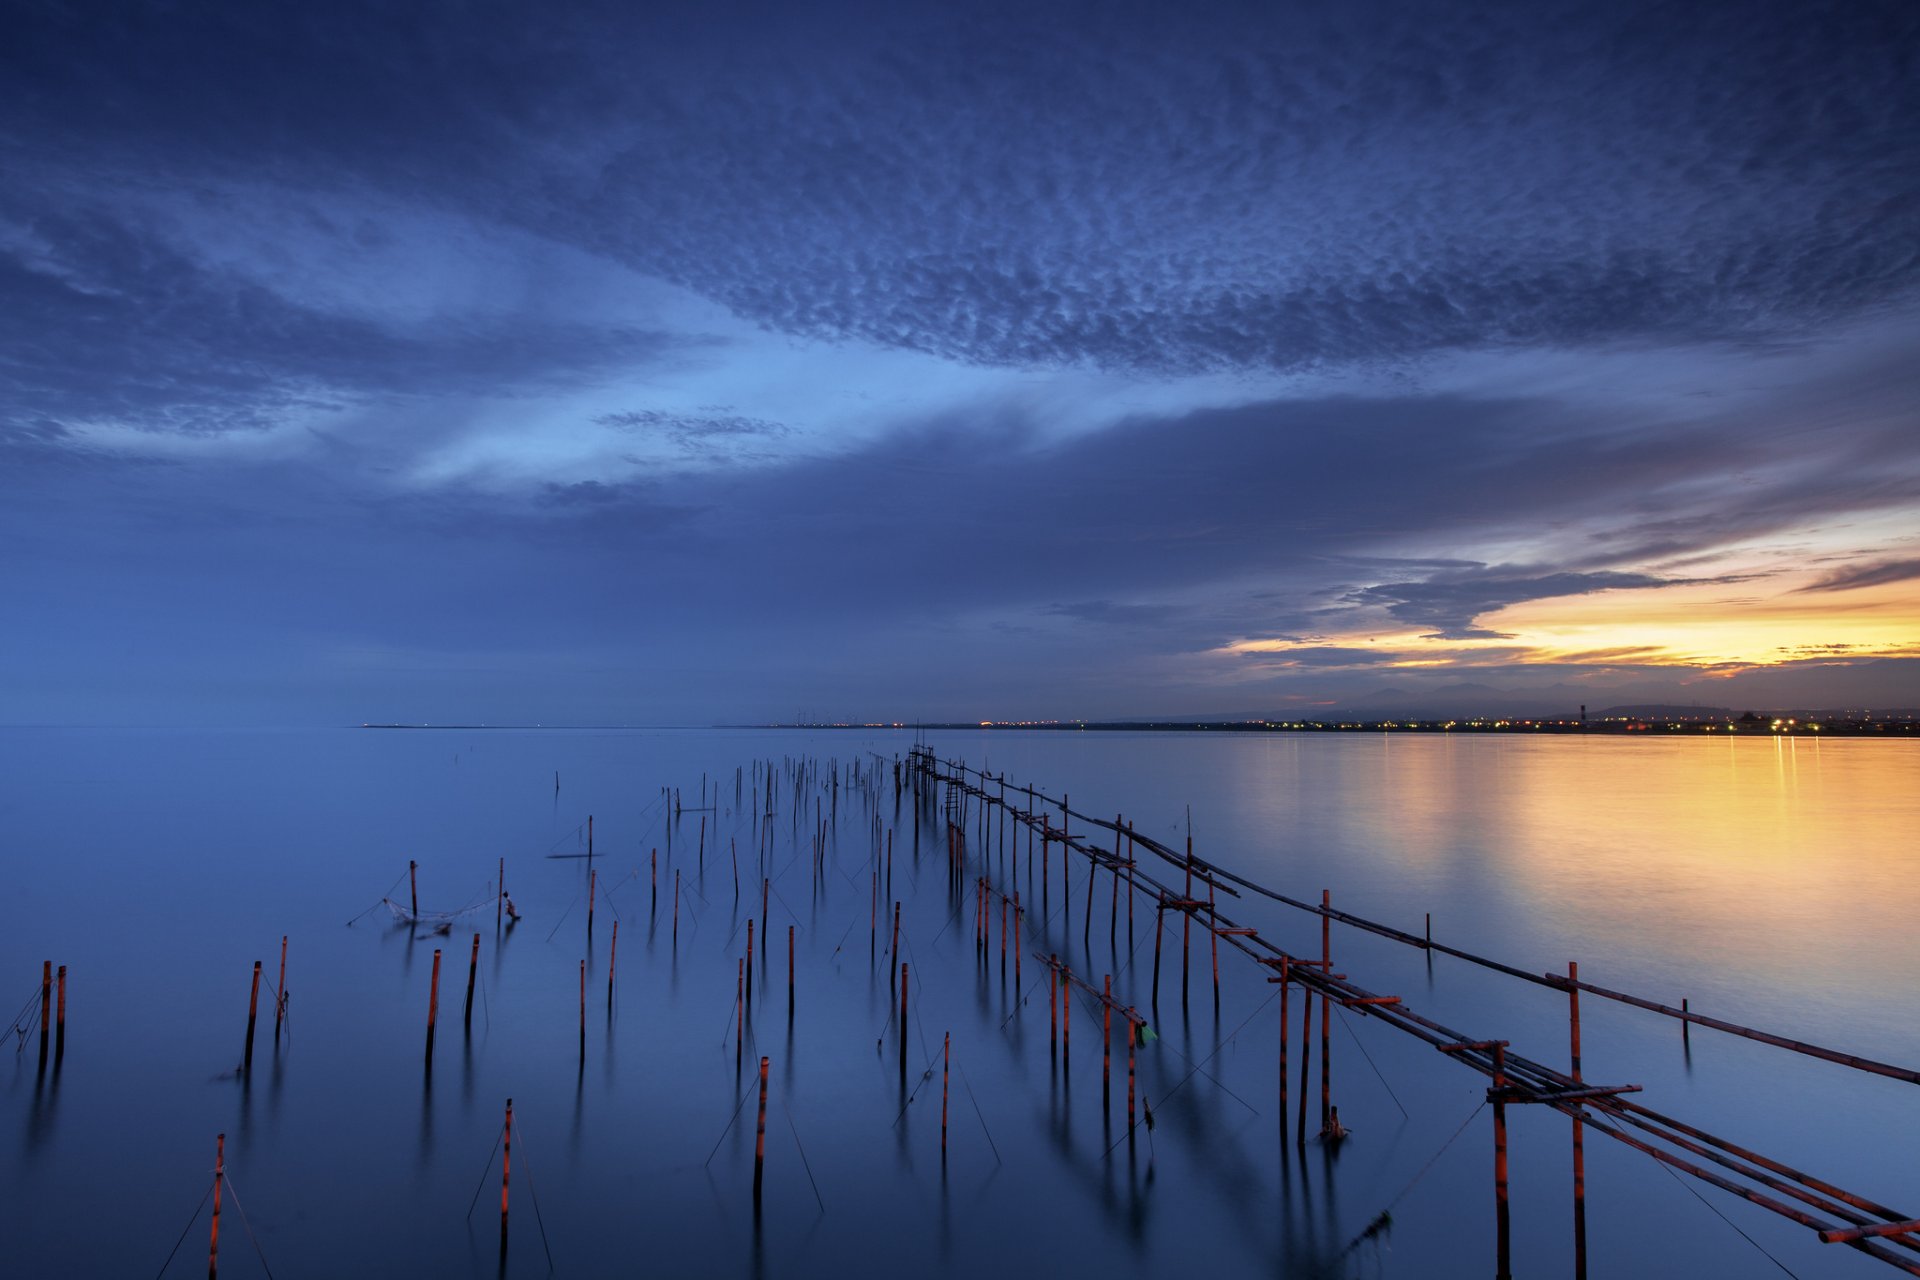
(1213, 931)
(583, 1011)
(903, 1024)
(790, 970)
(1306, 1056)
(280, 991)
(1159, 927)
(1326, 1014)
(593, 882)
(60, 1019)
(613, 952)
(1503, 1263)
(473, 972)
(413, 888)
(46, 1008)
(1106, 1042)
(1186, 922)
(433, 1004)
(1286, 981)
(506, 1168)
(946, 1065)
(1579, 1131)
(253, 1013)
(219, 1177)
(760, 1136)
(1053, 1001)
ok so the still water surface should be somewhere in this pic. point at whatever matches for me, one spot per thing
(1771, 882)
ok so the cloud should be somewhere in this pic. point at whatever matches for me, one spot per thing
(1867, 575)
(1450, 601)
(1072, 185)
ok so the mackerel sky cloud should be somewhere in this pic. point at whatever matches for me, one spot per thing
(664, 363)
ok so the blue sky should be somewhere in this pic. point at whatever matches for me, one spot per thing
(660, 364)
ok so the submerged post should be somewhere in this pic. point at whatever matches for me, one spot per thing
(433, 1005)
(253, 1014)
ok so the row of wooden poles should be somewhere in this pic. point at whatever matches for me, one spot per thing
(1855, 1220)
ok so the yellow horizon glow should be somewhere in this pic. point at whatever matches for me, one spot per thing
(1708, 625)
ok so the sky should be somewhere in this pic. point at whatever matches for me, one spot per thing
(651, 364)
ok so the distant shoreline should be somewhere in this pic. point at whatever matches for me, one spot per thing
(1896, 725)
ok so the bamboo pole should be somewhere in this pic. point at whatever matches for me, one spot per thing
(613, 954)
(1306, 1055)
(280, 991)
(593, 883)
(1579, 1132)
(253, 1013)
(413, 889)
(473, 972)
(219, 1177)
(1286, 981)
(1213, 931)
(1132, 1033)
(433, 1004)
(1503, 1264)
(1186, 922)
(1326, 1018)
(946, 1066)
(760, 1137)
(506, 1168)
(60, 1018)
(1106, 1043)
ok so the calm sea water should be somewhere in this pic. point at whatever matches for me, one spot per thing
(1771, 882)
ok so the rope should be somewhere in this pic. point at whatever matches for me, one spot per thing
(534, 1195)
(735, 1116)
(983, 1119)
(183, 1232)
(249, 1226)
(475, 1203)
(804, 1162)
(1386, 1215)
(1197, 1071)
(1729, 1221)
(383, 898)
(1369, 1057)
